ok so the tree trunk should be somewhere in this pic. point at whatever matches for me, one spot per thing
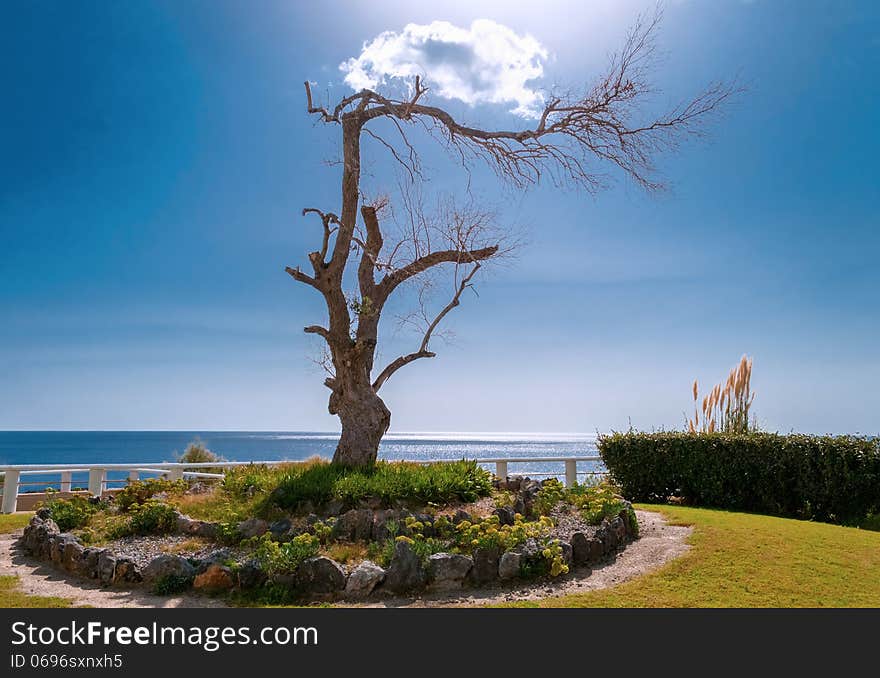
(365, 419)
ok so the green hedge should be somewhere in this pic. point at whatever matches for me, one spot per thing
(828, 478)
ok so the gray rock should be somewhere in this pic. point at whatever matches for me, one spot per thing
(57, 543)
(505, 515)
(44, 513)
(252, 527)
(196, 528)
(448, 570)
(251, 575)
(580, 548)
(71, 555)
(167, 565)
(333, 508)
(567, 552)
(354, 525)
(106, 567)
(485, 565)
(279, 528)
(405, 572)
(618, 528)
(509, 565)
(519, 506)
(320, 575)
(127, 572)
(88, 563)
(363, 579)
(461, 515)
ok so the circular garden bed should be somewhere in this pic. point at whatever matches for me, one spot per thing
(313, 531)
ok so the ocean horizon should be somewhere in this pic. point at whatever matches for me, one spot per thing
(129, 446)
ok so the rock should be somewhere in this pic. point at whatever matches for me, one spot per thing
(606, 538)
(167, 565)
(354, 525)
(44, 513)
(251, 575)
(279, 528)
(485, 565)
(363, 579)
(519, 506)
(448, 570)
(253, 527)
(461, 515)
(88, 563)
(106, 567)
(618, 528)
(215, 578)
(580, 549)
(566, 552)
(312, 518)
(405, 572)
(513, 483)
(333, 508)
(509, 565)
(196, 528)
(72, 554)
(57, 543)
(505, 515)
(127, 572)
(320, 575)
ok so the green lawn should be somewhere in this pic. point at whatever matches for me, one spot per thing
(745, 560)
(10, 595)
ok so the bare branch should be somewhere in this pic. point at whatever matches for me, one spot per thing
(326, 219)
(423, 351)
(393, 279)
(320, 331)
(299, 276)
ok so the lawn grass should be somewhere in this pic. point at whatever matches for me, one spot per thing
(10, 594)
(746, 560)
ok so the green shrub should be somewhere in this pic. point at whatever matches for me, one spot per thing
(72, 513)
(153, 517)
(386, 482)
(284, 558)
(828, 478)
(137, 492)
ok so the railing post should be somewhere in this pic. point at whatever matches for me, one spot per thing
(501, 470)
(66, 478)
(571, 472)
(176, 473)
(96, 481)
(10, 491)
(134, 475)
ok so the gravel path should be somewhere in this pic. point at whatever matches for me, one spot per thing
(659, 543)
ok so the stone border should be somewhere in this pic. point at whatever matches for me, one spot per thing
(321, 577)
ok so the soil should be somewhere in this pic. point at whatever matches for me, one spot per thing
(659, 543)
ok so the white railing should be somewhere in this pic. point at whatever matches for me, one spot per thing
(98, 483)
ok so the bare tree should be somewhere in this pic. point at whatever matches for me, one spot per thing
(574, 134)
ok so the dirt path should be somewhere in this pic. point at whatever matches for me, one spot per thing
(659, 543)
(36, 578)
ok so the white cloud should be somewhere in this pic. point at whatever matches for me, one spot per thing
(486, 63)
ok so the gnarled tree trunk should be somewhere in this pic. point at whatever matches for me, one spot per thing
(365, 419)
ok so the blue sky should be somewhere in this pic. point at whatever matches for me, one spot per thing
(157, 156)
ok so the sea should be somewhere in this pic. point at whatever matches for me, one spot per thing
(95, 447)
